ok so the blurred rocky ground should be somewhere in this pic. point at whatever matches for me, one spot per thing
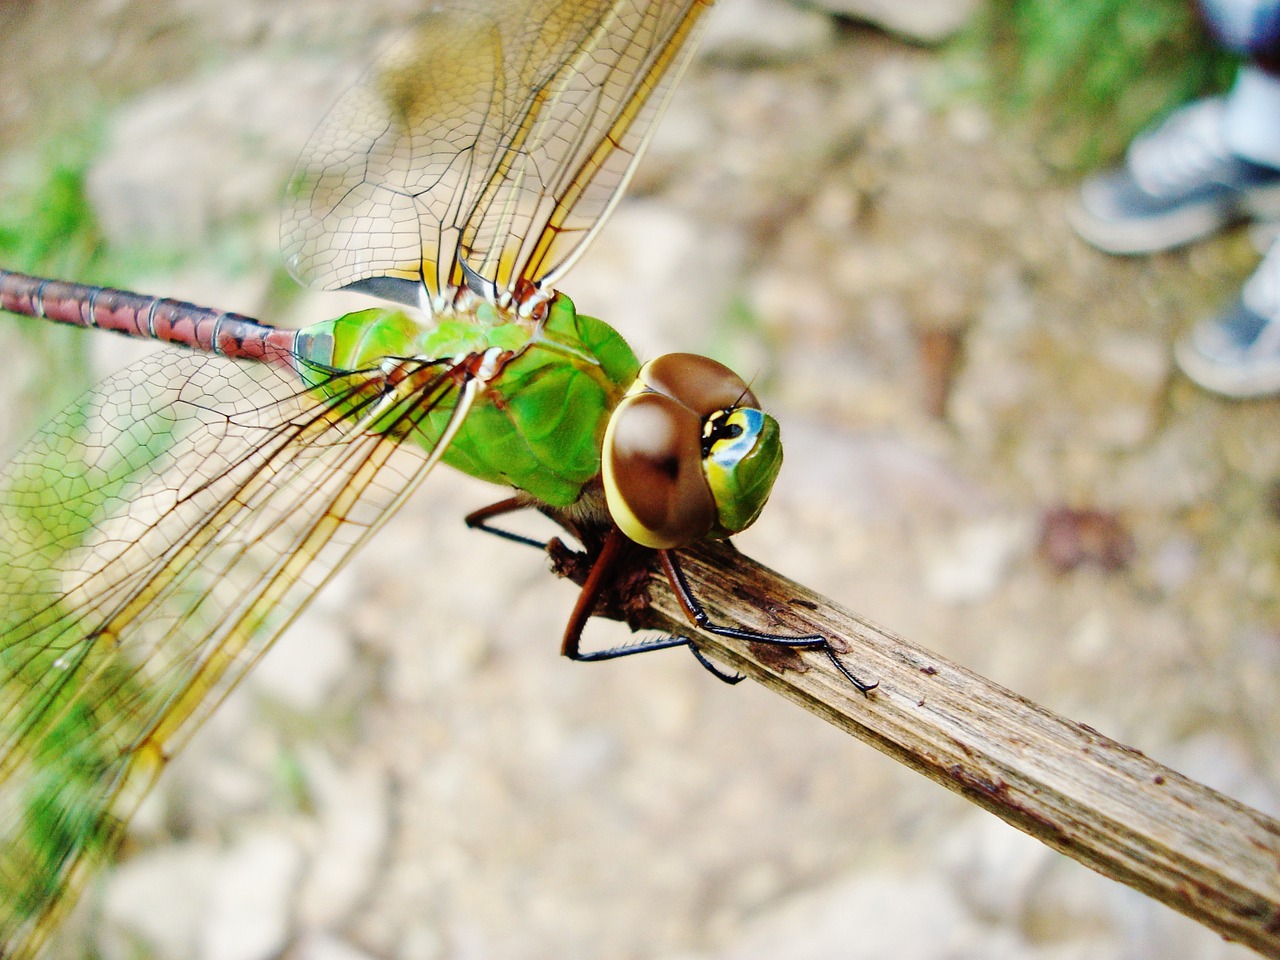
(988, 451)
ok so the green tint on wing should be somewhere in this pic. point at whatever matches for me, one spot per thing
(48, 514)
(154, 540)
(499, 131)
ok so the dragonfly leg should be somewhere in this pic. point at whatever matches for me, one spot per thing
(479, 520)
(601, 572)
(694, 610)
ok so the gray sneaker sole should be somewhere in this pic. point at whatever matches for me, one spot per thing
(1176, 228)
(1240, 382)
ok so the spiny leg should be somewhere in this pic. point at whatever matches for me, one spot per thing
(595, 583)
(694, 610)
(597, 579)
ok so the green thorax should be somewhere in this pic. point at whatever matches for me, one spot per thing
(540, 424)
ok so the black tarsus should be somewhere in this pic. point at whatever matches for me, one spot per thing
(694, 611)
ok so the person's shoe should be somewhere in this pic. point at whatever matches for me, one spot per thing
(1179, 182)
(1237, 353)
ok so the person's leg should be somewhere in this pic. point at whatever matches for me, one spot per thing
(1251, 118)
(1237, 353)
(1250, 28)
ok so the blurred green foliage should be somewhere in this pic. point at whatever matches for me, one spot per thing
(46, 222)
(1089, 74)
(47, 227)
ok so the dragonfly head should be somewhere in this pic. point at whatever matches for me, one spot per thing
(688, 454)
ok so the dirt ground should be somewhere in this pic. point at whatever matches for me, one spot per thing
(414, 774)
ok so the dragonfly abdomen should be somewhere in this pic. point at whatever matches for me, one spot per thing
(152, 318)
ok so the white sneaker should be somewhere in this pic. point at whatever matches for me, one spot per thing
(1237, 353)
(1179, 183)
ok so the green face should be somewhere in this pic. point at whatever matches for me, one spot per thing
(741, 463)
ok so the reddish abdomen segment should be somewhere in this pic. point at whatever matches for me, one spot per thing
(152, 318)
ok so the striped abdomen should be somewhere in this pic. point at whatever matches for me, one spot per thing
(154, 318)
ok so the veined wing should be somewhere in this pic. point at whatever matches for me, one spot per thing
(154, 540)
(497, 133)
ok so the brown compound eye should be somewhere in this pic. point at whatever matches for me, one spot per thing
(700, 383)
(653, 476)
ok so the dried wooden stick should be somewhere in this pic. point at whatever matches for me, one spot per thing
(1094, 799)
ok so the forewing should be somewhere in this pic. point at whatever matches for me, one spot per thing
(154, 540)
(501, 133)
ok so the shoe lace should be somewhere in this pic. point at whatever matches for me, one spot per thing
(1183, 151)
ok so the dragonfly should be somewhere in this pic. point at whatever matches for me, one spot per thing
(160, 533)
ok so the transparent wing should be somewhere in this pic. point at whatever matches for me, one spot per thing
(501, 133)
(154, 540)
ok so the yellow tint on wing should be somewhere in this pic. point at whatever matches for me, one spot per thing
(498, 132)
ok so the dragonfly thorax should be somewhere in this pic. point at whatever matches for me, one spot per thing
(688, 454)
(540, 421)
